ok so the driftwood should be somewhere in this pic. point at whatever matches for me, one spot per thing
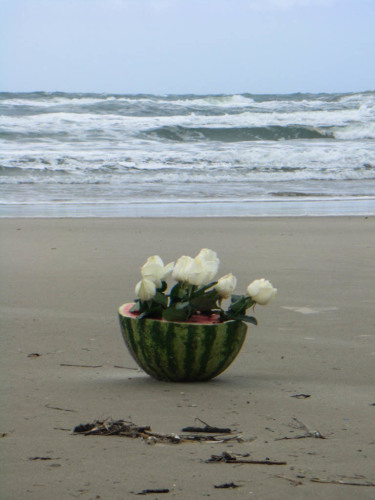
(149, 492)
(339, 481)
(294, 482)
(60, 409)
(82, 366)
(208, 429)
(329, 481)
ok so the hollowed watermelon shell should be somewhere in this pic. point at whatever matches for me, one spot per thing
(181, 352)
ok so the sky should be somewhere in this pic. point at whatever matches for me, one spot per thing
(187, 46)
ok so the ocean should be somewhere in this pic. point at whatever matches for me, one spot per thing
(84, 154)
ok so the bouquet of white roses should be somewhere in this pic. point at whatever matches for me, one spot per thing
(196, 291)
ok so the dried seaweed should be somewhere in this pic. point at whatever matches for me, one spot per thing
(296, 424)
(111, 427)
(227, 485)
(227, 458)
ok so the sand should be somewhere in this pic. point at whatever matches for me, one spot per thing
(64, 362)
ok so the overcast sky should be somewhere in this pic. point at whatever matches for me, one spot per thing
(187, 46)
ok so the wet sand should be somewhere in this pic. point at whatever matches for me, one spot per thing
(305, 372)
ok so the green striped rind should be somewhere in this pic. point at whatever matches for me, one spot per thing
(182, 351)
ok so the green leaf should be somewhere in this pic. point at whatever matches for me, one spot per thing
(136, 307)
(178, 293)
(235, 298)
(161, 299)
(243, 317)
(152, 310)
(200, 291)
(205, 302)
(251, 319)
(179, 312)
(240, 305)
(143, 315)
(182, 305)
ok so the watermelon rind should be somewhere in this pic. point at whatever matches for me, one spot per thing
(182, 352)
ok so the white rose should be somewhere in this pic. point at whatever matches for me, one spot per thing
(207, 254)
(197, 273)
(155, 270)
(168, 270)
(226, 285)
(212, 268)
(145, 289)
(207, 264)
(181, 269)
(261, 291)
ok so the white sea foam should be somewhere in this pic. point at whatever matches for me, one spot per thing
(356, 131)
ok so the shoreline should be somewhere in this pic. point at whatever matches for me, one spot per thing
(363, 206)
(307, 367)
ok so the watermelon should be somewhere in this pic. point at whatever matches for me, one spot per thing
(182, 352)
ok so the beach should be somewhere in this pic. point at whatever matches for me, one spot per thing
(301, 392)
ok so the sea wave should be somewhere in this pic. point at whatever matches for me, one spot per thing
(71, 171)
(236, 134)
(246, 126)
(165, 105)
(58, 146)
